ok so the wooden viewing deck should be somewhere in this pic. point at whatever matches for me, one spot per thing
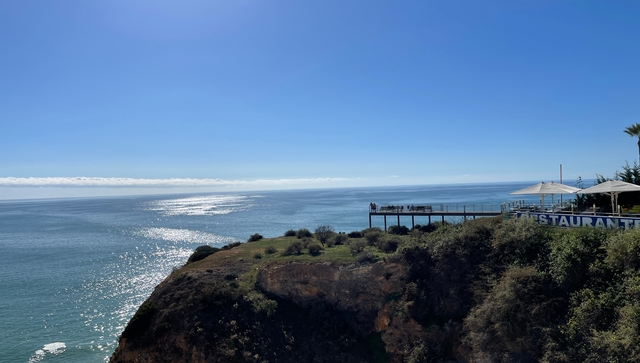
(441, 211)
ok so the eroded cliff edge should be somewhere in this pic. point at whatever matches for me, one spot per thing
(489, 290)
(299, 311)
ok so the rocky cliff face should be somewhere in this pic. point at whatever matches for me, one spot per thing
(298, 311)
(362, 289)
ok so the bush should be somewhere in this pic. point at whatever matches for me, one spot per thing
(572, 254)
(518, 241)
(389, 245)
(401, 230)
(324, 233)
(357, 246)
(314, 249)
(303, 232)
(270, 250)
(426, 228)
(255, 237)
(623, 250)
(306, 241)
(355, 234)
(231, 245)
(257, 255)
(337, 240)
(202, 252)
(509, 325)
(290, 233)
(293, 249)
(373, 237)
(340, 239)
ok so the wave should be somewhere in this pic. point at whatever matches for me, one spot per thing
(51, 348)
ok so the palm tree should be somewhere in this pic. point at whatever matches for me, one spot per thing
(634, 131)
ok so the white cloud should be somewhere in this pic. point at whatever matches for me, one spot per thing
(163, 183)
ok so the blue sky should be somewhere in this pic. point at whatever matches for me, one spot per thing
(228, 95)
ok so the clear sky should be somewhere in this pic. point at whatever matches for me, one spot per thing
(120, 96)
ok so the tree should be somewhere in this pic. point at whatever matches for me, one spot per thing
(323, 233)
(634, 131)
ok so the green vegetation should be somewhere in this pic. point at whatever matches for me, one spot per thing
(634, 131)
(303, 232)
(396, 229)
(483, 290)
(294, 248)
(270, 250)
(324, 233)
(255, 237)
(202, 252)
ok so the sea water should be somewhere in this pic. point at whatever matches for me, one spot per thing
(74, 271)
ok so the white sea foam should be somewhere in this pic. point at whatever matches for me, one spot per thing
(51, 348)
(202, 205)
(182, 235)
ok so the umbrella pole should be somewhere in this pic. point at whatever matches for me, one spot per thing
(612, 203)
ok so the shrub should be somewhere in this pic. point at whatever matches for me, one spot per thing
(324, 233)
(314, 249)
(303, 232)
(572, 253)
(255, 237)
(257, 255)
(372, 229)
(201, 252)
(231, 245)
(518, 241)
(290, 233)
(293, 249)
(357, 246)
(401, 230)
(511, 321)
(623, 250)
(355, 234)
(340, 239)
(306, 241)
(389, 245)
(373, 237)
(330, 242)
(270, 250)
(426, 228)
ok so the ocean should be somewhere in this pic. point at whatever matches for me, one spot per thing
(73, 271)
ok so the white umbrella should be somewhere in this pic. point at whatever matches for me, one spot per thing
(612, 188)
(543, 189)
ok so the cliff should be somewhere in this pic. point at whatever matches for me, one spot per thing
(483, 291)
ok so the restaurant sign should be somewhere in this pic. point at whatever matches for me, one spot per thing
(577, 220)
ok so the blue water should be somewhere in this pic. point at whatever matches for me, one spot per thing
(74, 271)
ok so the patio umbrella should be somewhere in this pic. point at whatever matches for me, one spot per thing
(612, 188)
(543, 189)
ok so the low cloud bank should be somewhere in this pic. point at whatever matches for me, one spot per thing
(164, 183)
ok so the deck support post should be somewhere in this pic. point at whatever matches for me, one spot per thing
(369, 219)
(412, 222)
(398, 219)
(385, 222)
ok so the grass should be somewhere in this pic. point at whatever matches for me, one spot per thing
(243, 255)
